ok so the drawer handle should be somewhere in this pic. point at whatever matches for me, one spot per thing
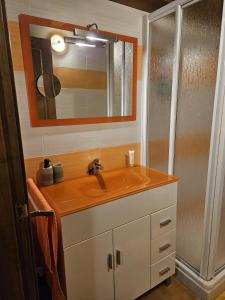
(164, 247)
(164, 271)
(110, 262)
(118, 257)
(166, 222)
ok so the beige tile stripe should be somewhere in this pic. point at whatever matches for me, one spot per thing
(80, 78)
(18, 59)
(139, 61)
(75, 164)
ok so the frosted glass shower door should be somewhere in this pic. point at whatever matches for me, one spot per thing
(196, 50)
(162, 35)
(197, 79)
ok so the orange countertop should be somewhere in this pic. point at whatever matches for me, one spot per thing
(84, 192)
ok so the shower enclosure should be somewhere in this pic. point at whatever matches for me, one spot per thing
(185, 125)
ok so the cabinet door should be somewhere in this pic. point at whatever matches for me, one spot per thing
(89, 269)
(132, 259)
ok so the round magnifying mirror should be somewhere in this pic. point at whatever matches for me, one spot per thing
(48, 85)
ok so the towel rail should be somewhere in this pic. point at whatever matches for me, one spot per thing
(41, 213)
(37, 212)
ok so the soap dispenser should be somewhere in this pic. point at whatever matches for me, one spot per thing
(58, 173)
(47, 173)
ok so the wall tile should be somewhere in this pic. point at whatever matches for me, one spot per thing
(75, 163)
(33, 146)
(70, 142)
(15, 7)
(109, 16)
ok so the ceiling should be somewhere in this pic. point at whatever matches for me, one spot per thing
(146, 5)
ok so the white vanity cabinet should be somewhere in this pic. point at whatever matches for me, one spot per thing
(121, 249)
(120, 256)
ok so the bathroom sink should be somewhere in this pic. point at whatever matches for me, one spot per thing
(111, 182)
(81, 193)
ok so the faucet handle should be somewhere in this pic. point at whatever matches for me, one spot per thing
(94, 166)
(97, 163)
(99, 166)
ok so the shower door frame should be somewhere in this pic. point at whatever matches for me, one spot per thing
(216, 163)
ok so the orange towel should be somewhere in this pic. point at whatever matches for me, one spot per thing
(49, 238)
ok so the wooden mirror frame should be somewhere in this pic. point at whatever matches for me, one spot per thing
(24, 22)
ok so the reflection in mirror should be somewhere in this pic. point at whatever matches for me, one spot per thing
(48, 85)
(80, 80)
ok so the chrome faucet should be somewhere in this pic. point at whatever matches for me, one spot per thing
(94, 167)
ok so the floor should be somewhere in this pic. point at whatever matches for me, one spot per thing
(175, 291)
(221, 297)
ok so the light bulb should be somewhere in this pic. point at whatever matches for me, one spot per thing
(57, 43)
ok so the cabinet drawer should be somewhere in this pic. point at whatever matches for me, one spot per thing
(163, 246)
(162, 270)
(163, 221)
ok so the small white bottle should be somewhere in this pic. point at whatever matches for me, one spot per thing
(131, 158)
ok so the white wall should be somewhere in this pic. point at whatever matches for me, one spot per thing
(61, 139)
(74, 102)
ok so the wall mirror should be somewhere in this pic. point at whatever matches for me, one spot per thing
(77, 75)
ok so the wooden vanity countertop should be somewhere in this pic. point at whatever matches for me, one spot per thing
(84, 192)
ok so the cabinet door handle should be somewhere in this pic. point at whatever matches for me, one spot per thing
(164, 247)
(110, 262)
(164, 271)
(118, 257)
(166, 222)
